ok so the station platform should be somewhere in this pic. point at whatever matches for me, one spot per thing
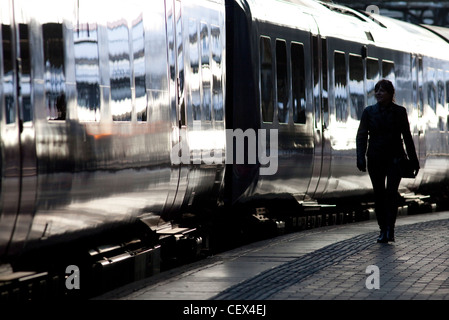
(340, 262)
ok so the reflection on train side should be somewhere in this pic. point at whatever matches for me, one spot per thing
(100, 113)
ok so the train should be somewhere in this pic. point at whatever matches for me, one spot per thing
(164, 114)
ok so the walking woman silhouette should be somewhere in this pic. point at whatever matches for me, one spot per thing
(382, 132)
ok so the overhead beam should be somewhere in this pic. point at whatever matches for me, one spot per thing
(419, 12)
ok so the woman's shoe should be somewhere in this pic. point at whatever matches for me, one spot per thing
(390, 234)
(382, 237)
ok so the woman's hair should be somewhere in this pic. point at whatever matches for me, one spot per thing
(387, 86)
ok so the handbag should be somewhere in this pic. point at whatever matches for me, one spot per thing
(406, 168)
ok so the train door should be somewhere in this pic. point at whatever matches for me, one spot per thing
(178, 180)
(10, 133)
(18, 184)
(322, 153)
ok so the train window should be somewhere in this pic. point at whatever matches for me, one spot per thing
(388, 70)
(8, 74)
(340, 91)
(119, 70)
(138, 38)
(266, 79)
(447, 100)
(372, 77)
(25, 78)
(158, 66)
(447, 90)
(217, 86)
(195, 96)
(440, 99)
(431, 89)
(440, 87)
(420, 87)
(298, 83)
(324, 71)
(282, 81)
(356, 91)
(414, 81)
(54, 76)
(316, 82)
(180, 63)
(87, 72)
(206, 72)
(431, 96)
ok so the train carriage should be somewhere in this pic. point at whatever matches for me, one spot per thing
(96, 96)
(329, 58)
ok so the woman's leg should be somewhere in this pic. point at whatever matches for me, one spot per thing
(378, 174)
(392, 197)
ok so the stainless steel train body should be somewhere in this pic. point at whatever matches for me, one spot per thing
(115, 110)
(92, 95)
(313, 70)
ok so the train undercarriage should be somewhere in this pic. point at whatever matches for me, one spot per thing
(126, 254)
